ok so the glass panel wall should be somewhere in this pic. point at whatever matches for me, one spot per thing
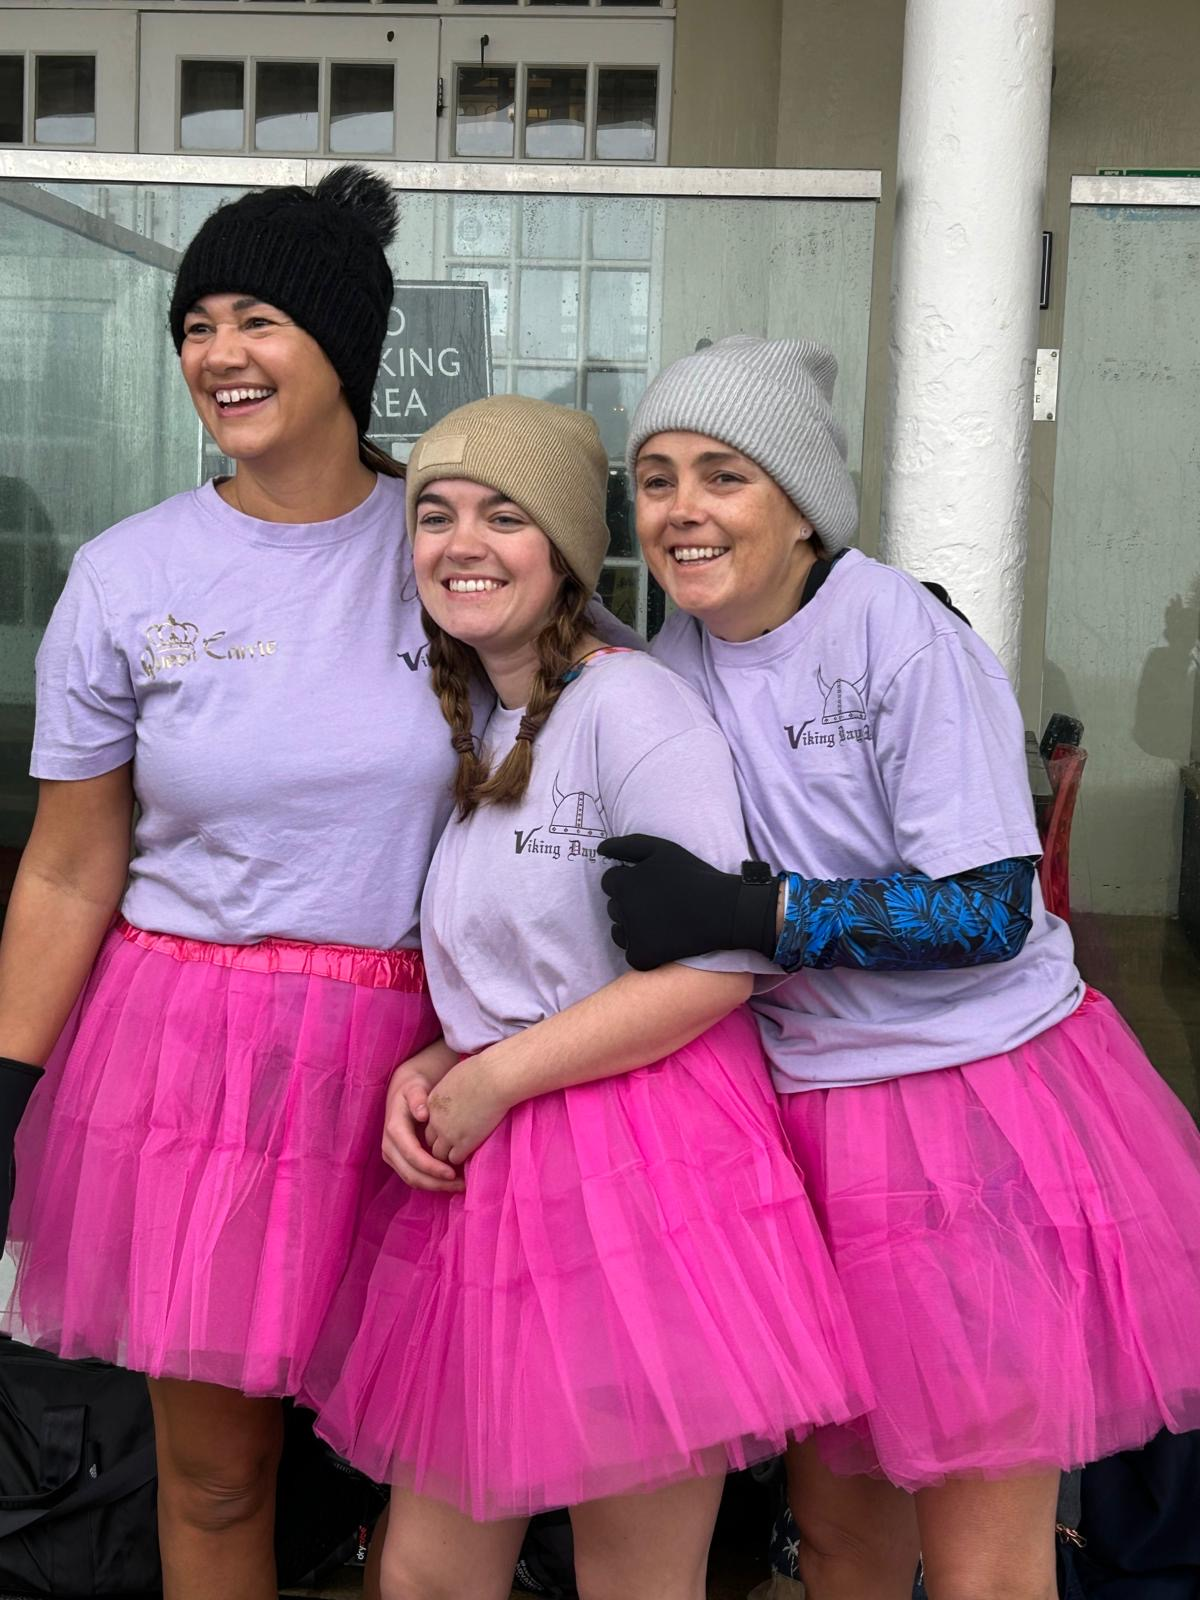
(1123, 623)
(573, 298)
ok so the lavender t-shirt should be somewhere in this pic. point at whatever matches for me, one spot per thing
(513, 924)
(269, 683)
(875, 733)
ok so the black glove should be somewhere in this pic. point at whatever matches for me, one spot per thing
(17, 1081)
(665, 903)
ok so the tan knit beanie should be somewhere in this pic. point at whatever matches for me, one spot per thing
(548, 459)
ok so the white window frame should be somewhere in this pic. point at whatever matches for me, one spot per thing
(582, 40)
(111, 37)
(168, 40)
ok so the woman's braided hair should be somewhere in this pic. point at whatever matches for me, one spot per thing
(455, 666)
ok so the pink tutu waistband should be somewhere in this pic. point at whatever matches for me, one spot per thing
(370, 969)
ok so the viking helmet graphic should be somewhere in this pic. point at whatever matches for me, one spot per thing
(843, 699)
(578, 813)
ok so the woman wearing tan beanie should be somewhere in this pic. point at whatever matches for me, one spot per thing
(596, 1280)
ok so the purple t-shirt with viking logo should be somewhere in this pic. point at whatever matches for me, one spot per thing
(513, 923)
(875, 733)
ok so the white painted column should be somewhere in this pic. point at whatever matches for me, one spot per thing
(974, 130)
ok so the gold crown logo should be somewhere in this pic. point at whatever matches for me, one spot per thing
(173, 637)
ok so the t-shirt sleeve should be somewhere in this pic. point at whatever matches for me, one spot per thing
(86, 710)
(684, 789)
(950, 749)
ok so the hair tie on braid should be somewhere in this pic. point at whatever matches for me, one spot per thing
(464, 744)
(528, 729)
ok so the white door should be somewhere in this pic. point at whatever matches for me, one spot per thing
(580, 88)
(279, 85)
(68, 79)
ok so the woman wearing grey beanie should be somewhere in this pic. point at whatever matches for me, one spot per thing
(999, 1171)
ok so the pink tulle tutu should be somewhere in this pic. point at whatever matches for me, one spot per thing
(193, 1167)
(1019, 1242)
(632, 1290)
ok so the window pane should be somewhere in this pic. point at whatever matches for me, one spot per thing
(496, 279)
(555, 107)
(618, 315)
(361, 108)
(212, 97)
(610, 397)
(626, 113)
(65, 101)
(482, 225)
(484, 123)
(553, 226)
(548, 383)
(12, 99)
(620, 589)
(549, 313)
(285, 105)
(622, 230)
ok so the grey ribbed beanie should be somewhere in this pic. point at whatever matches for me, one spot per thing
(771, 400)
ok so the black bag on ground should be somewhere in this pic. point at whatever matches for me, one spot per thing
(77, 1478)
(1141, 1522)
(324, 1509)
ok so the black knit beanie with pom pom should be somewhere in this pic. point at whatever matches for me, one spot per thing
(317, 254)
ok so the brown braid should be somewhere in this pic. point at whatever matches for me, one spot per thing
(455, 665)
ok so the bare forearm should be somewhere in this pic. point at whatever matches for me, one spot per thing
(69, 884)
(638, 1018)
(432, 1063)
(51, 935)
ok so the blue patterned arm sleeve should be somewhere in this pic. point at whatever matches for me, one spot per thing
(908, 922)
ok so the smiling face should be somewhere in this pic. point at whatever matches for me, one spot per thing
(484, 569)
(259, 383)
(720, 535)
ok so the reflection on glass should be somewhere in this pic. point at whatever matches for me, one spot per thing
(483, 121)
(285, 105)
(12, 99)
(618, 317)
(549, 313)
(552, 226)
(65, 100)
(212, 98)
(497, 280)
(626, 114)
(611, 396)
(622, 230)
(618, 513)
(482, 225)
(548, 383)
(620, 589)
(555, 109)
(361, 108)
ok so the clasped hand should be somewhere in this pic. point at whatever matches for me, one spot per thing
(431, 1129)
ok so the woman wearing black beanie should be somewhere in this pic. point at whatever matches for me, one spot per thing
(220, 1014)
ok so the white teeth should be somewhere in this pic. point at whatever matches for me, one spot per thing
(473, 585)
(698, 552)
(231, 397)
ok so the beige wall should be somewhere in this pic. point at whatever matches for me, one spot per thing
(1125, 95)
(725, 88)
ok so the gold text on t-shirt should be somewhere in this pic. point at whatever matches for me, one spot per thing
(179, 644)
